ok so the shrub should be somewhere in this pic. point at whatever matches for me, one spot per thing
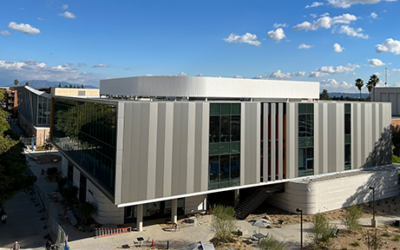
(272, 243)
(223, 222)
(86, 210)
(386, 234)
(52, 171)
(356, 243)
(396, 238)
(61, 183)
(375, 242)
(69, 193)
(351, 218)
(321, 230)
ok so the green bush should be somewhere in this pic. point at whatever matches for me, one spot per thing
(375, 242)
(86, 210)
(396, 238)
(272, 243)
(321, 231)
(223, 222)
(351, 218)
(52, 171)
(356, 243)
(386, 234)
(69, 194)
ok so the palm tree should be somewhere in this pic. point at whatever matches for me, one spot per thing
(373, 81)
(359, 85)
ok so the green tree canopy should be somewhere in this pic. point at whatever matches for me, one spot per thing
(13, 166)
(59, 85)
(82, 87)
(27, 84)
(324, 95)
(16, 82)
(359, 85)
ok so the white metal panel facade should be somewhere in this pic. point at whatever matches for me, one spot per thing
(208, 87)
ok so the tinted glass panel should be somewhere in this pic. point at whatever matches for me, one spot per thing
(224, 168)
(214, 168)
(82, 131)
(225, 128)
(214, 128)
(225, 109)
(235, 166)
(224, 148)
(235, 109)
(347, 124)
(235, 128)
(214, 109)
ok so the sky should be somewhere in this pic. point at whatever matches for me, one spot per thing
(333, 42)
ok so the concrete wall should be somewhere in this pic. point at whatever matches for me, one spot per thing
(195, 204)
(107, 212)
(321, 196)
(388, 94)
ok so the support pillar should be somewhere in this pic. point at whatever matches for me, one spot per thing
(174, 211)
(139, 218)
(236, 197)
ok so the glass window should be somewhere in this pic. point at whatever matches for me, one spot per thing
(225, 166)
(235, 147)
(225, 109)
(347, 124)
(235, 166)
(214, 128)
(235, 109)
(214, 168)
(225, 128)
(224, 148)
(235, 128)
(214, 109)
(214, 149)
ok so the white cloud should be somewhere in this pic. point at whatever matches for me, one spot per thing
(325, 22)
(5, 33)
(68, 14)
(26, 28)
(100, 65)
(374, 15)
(149, 75)
(279, 75)
(332, 83)
(328, 70)
(389, 45)
(313, 15)
(283, 25)
(277, 34)
(314, 4)
(199, 75)
(337, 48)
(65, 6)
(396, 70)
(181, 74)
(260, 77)
(40, 19)
(304, 46)
(246, 38)
(375, 62)
(325, 14)
(347, 3)
(238, 76)
(33, 70)
(344, 29)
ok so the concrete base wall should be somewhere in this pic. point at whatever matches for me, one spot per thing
(107, 212)
(321, 196)
(195, 204)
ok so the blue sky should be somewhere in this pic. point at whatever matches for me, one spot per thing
(329, 41)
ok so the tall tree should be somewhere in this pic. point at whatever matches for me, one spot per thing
(59, 85)
(16, 82)
(27, 84)
(13, 167)
(324, 95)
(373, 81)
(70, 86)
(82, 87)
(359, 85)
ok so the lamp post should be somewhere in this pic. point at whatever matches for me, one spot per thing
(373, 221)
(299, 210)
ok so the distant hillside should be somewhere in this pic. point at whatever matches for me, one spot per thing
(39, 84)
(350, 95)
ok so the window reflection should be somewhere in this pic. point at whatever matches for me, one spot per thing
(86, 132)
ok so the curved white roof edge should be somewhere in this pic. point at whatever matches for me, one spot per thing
(210, 87)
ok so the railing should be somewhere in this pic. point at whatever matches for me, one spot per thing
(104, 232)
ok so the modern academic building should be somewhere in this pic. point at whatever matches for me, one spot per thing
(157, 146)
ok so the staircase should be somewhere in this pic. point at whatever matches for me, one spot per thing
(254, 200)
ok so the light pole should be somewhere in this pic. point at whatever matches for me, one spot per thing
(299, 210)
(373, 221)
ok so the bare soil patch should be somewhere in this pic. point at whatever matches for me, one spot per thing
(389, 206)
(46, 159)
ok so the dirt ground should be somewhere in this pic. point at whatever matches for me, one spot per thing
(390, 206)
(49, 158)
